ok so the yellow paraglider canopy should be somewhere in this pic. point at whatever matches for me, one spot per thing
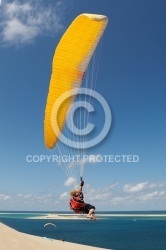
(70, 62)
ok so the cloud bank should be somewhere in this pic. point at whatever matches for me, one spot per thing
(23, 21)
(151, 196)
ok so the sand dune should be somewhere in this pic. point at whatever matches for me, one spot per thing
(11, 239)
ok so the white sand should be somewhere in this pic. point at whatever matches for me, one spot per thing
(11, 239)
(61, 217)
(83, 216)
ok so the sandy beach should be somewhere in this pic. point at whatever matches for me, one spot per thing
(83, 216)
(10, 239)
(60, 217)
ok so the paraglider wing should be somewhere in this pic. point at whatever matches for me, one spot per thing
(50, 224)
(70, 62)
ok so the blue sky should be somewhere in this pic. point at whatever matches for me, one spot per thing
(131, 77)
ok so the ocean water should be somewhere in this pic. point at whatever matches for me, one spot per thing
(125, 232)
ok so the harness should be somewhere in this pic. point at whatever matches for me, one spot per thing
(76, 205)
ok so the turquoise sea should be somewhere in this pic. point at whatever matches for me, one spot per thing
(125, 231)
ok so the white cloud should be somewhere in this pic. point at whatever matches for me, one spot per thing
(4, 197)
(16, 7)
(100, 194)
(135, 188)
(152, 195)
(65, 195)
(70, 182)
(119, 200)
(27, 201)
(27, 196)
(22, 22)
